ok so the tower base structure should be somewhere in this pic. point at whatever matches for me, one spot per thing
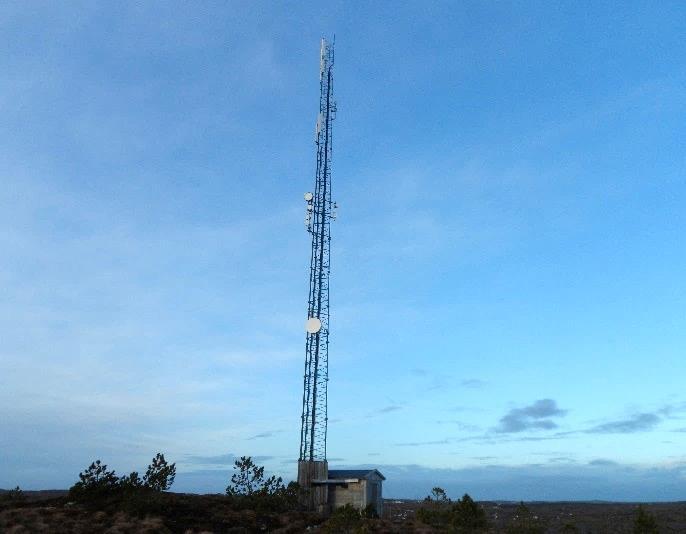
(312, 477)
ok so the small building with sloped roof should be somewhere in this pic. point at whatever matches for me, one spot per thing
(358, 487)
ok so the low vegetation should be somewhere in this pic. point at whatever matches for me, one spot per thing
(525, 522)
(645, 522)
(464, 515)
(96, 482)
(99, 487)
(13, 497)
(101, 501)
(249, 489)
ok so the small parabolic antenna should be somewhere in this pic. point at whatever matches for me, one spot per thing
(308, 196)
(313, 325)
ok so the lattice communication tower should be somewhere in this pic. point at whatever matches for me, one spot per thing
(320, 212)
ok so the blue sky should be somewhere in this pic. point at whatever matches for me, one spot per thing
(507, 288)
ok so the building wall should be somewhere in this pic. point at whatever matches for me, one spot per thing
(359, 494)
(351, 493)
(375, 496)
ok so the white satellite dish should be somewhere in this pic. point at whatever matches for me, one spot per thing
(308, 196)
(313, 325)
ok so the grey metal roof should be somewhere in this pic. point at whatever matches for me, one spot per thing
(354, 473)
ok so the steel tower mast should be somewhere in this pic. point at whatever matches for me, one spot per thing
(320, 211)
